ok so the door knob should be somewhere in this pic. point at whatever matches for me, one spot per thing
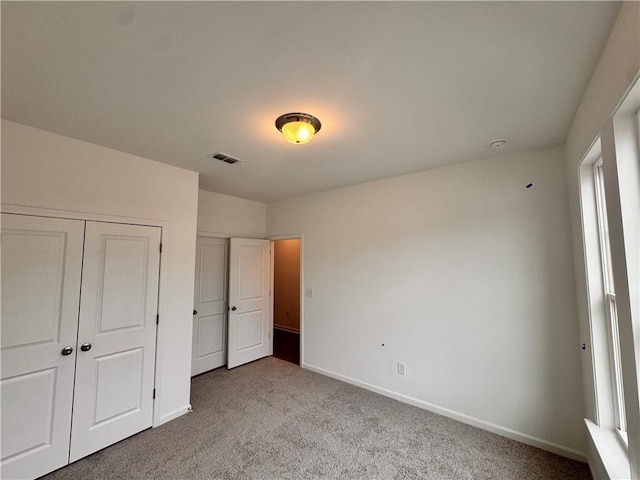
(233, 309)
(85, 347)
(67, 351)
(195, 312)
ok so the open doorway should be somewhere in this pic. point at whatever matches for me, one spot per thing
(286, 300)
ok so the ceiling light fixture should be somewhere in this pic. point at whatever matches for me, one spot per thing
(298, 128)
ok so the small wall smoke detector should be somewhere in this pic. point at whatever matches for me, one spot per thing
(223, 157)
(498, 143)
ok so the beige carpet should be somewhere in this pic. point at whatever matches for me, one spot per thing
(272, 420)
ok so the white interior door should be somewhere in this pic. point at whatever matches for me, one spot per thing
(116, 335)
(41, 267)
(210, 305)
(250, 321)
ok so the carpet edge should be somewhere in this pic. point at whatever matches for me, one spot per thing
(552, 447)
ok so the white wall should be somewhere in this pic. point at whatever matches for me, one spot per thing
(227, 216)
(615, 72)
(49, 171)
(617, 69)
(463, 274)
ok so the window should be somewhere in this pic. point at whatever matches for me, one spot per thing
(610, 303)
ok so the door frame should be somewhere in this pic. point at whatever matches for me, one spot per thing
(162, 280)
(291, 236)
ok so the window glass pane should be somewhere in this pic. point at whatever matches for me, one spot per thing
(617, 367)
(603, 229)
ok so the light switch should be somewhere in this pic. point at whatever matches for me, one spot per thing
(308, 292)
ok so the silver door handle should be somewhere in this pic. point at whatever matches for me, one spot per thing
(67, 351)
(233, 309)
(85, 347)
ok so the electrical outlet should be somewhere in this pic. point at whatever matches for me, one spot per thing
(402, 368)
(308, 292)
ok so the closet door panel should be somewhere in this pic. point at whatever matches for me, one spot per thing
(210, 305)
(41, 267)
(117, 327)
(250, 322)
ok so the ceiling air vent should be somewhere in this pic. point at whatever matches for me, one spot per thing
(223, 157)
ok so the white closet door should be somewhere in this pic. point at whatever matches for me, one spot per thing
(210, 305)
(41, 266)
(250, 313)
(116, 335)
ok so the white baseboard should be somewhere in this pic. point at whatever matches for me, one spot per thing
(286, 329)
(173, 415)
(461, 417)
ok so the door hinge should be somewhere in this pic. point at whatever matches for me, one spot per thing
(157, 319)
(154, 393)
(160, 247)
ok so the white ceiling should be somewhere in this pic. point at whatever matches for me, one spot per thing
(399, 87)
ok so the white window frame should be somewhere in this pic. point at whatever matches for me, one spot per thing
(616, 455)
(613, 340)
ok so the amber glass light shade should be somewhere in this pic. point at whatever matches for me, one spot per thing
(298, 132)
(298, 128)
